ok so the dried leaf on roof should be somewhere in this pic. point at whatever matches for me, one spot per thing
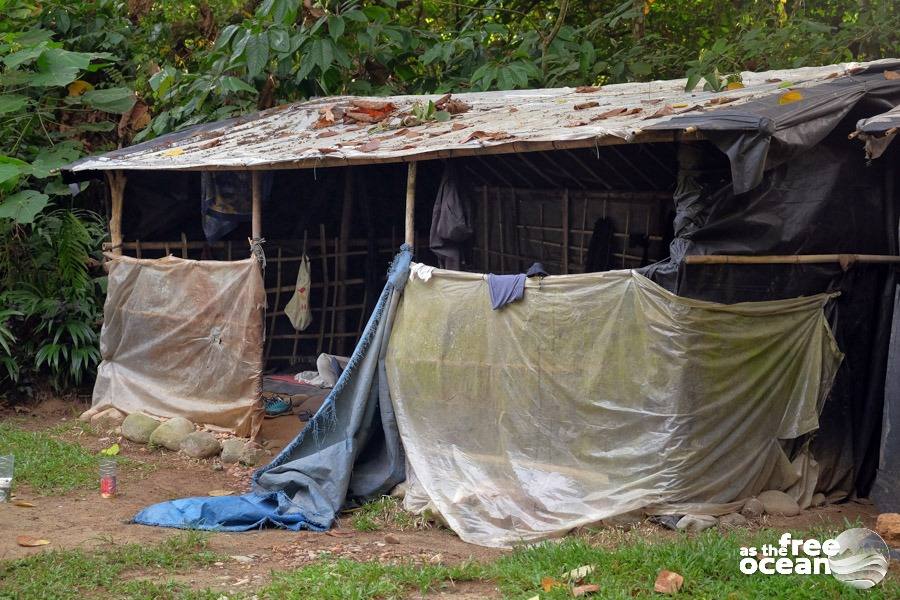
(586, 105)
(791, 96)
(664, 111)
(370, 111)
(454, 106)
(326, 118)
(587, 89)
(891, 75)
(490, 136)
(371, 146)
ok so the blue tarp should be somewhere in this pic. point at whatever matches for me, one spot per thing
(347, 454)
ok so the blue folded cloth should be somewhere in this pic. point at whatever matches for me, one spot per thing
(231, 513)
(505, 289)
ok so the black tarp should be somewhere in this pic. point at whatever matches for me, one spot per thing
(792, 183)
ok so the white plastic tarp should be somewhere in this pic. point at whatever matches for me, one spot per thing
(596, 395)
(183, 338)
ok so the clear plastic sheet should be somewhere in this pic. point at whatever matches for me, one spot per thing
(183, 338)
(596, 395)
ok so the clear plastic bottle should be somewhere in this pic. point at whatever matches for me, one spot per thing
(7, 461)
(109, 472)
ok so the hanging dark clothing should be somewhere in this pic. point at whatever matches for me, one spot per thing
(451, 225)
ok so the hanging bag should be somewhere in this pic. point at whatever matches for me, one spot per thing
(297, 309)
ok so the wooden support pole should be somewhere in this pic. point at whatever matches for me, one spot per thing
(410, 237)
(256, 215)
(565, 232)
(789, 259)
(116, 181)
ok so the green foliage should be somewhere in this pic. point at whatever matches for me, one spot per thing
(60, 96)
(55, 304)
(386, 512)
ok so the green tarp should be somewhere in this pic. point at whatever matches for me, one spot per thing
(600, 394)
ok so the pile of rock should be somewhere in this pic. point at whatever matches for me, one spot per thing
(177, 434)
(771, 502)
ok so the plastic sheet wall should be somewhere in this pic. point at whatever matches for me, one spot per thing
(824, 200)
(183, 338)
(596, 395)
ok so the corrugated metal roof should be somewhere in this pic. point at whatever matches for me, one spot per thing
(301, 136)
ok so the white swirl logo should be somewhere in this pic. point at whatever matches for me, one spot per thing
(862, 559)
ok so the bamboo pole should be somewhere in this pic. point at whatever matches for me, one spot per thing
(116, 181)
(410, 235)
(565, 232)
(256, 214)
(788, 259)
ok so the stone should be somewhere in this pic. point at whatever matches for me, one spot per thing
(696, 522)
(779, 504)
(818, 500)
(171, 433)
(668, 582)
(138, 427)
(231, 450)
(733, 521)
(107, 419)
(391, 539)
(201, 444)
(753, 509)
(86, 415)
(888, 527)
(252, 455)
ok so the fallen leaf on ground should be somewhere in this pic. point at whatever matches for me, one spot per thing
(339, 534)
(111, 451)
(30, 542)
(23, 504)
(788, 97)
(585, 105)
(582, 590)
(587, 89)
(576, 575)
(891, 75)
(220, 492)
(668, 582)
(548, 583)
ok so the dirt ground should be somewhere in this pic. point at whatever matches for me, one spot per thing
(81, 519)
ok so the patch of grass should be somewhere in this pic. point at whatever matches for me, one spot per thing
(51, 465)
(349, 580)
(64, 574)
(708, 562)
(385, 512)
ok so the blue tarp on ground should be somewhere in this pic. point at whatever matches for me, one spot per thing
(348, 453)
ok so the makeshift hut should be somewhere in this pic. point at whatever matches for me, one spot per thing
(716, 317)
